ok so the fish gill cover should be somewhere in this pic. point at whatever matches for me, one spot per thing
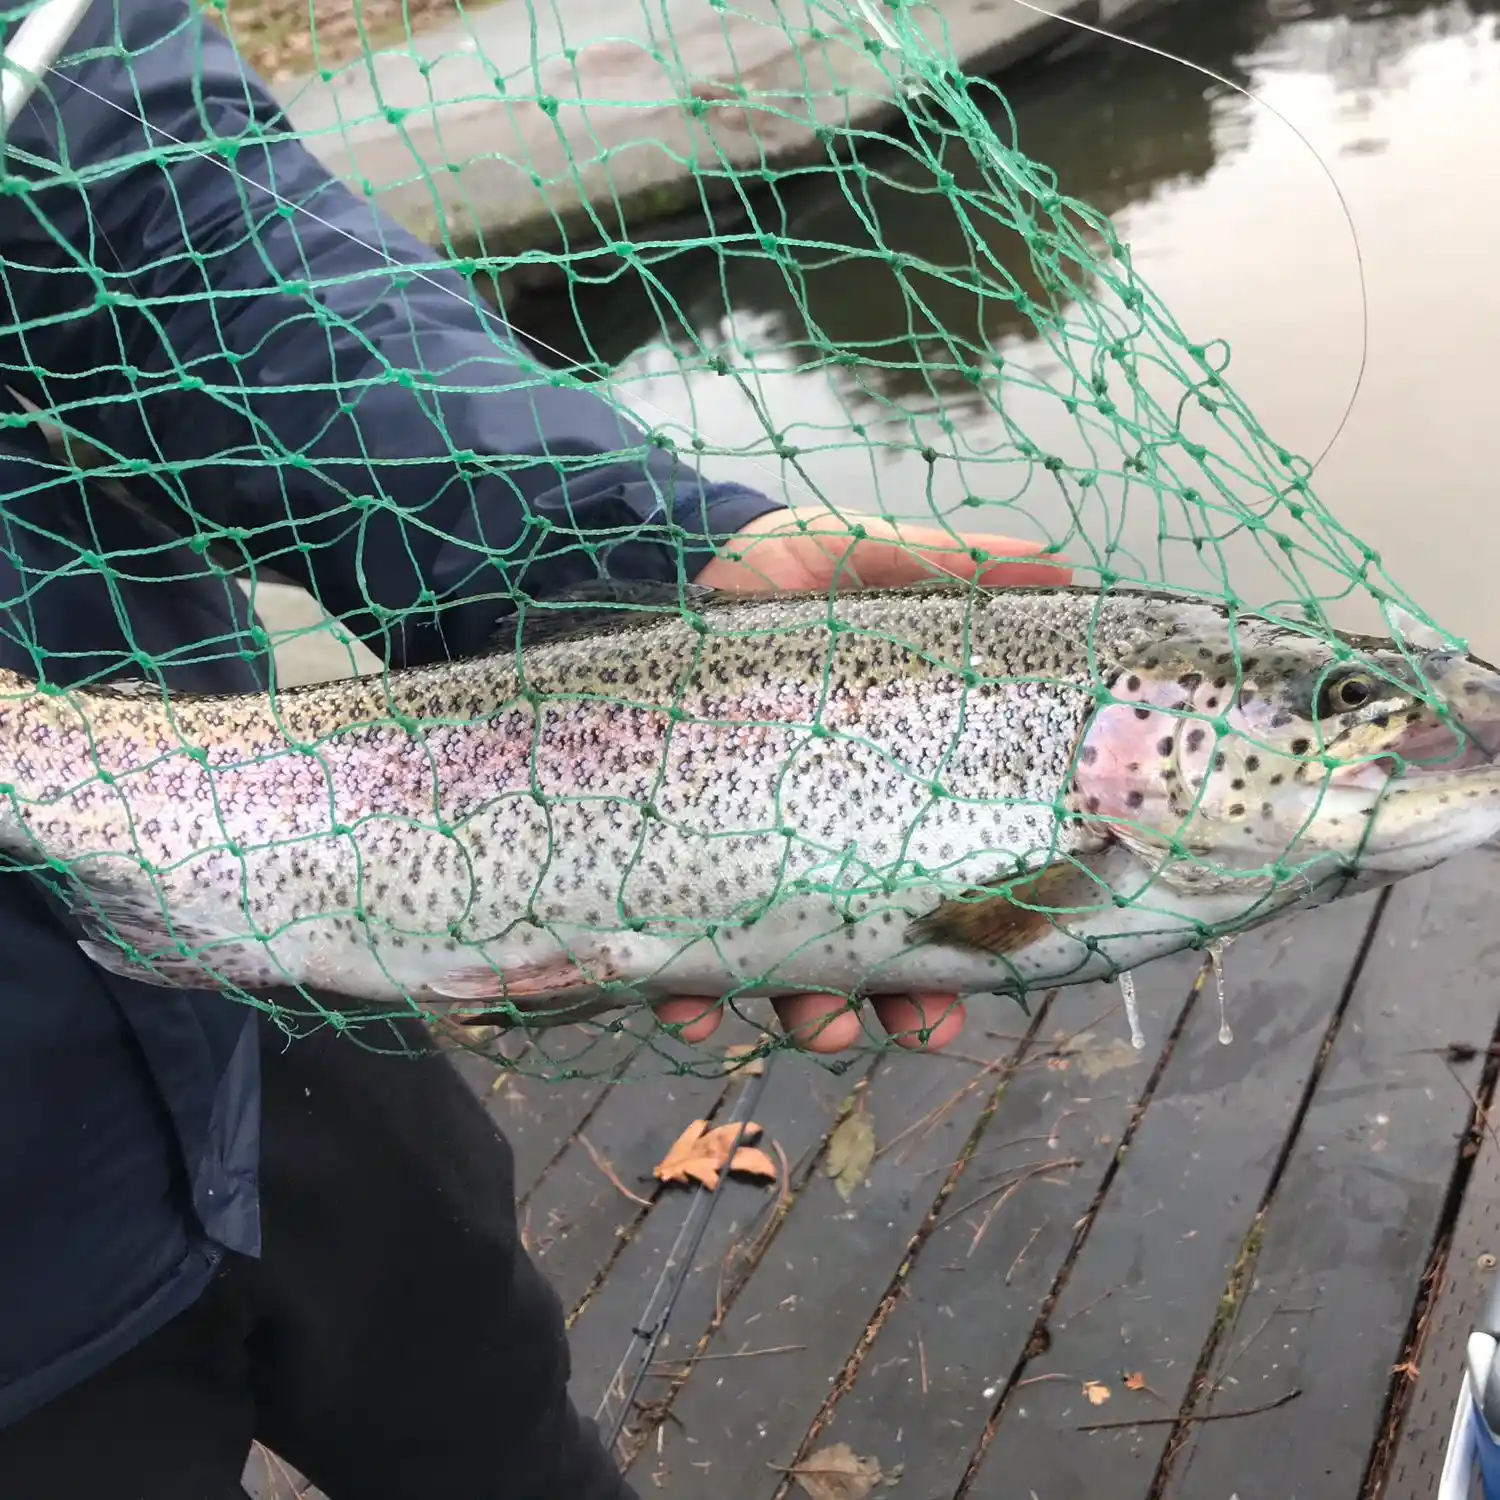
(989, 791)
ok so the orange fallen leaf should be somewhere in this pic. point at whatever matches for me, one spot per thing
(1136, 1382)
(700, 1155)
(1096, 1391)
(753, 1163)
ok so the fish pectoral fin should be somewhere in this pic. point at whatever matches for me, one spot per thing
(1014, 913)
(127, 934)
(532, 990)
(558, 976)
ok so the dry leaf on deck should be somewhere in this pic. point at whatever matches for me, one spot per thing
(851, 1149)
(751, 1069)
(837, 1473)
(700, 1155)
(1096, 1391)
(1136, 1382)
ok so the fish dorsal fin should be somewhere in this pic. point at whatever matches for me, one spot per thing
(1416, 633)
(599, 604)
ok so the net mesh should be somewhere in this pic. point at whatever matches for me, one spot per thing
(385, 825)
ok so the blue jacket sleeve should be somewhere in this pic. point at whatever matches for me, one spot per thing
(316, 387)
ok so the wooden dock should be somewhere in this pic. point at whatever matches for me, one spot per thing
(1071, 1270)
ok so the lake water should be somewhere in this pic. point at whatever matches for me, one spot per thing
(1231, 220)
(1226, 205)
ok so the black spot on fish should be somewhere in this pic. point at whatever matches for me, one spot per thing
(1238, 784)
(1267, 811)
(1143, 713)
(1152, 663)
(1237, 810)
(1092, 804)
(1132, 684)
(1252, 762)
(1164, 745)
(1247, 695)
(1089, 754)
(1380, 721)
(1278, 778)
(1135, 799)
(1471, 687)
(1414, 716)
(1195, 738)
(1221, 682)
(1299, 747)
(1219, 761)
(1280, 719)
(1134, 765)
(1190, 680)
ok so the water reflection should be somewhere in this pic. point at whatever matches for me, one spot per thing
(925, 296)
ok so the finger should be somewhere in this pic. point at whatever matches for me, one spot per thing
(892, 553)
(699, 1019)
(802, 549)
(923, 1023)
(819, 1023)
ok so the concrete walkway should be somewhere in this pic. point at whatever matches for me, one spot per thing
(532, 126)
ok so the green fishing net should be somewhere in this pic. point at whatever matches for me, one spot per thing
(1030, 383)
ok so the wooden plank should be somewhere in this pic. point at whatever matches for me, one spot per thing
(797, 1108)
(539, 1114)
(927, 1386)
(1144, 1292)
(832, 1264)
(576, 1220)
(1462, 1294)
(1356, 1213)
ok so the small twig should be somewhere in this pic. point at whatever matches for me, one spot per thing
(929, 1120)
(1090, 1306)
(1038, 1379)
(922, 1360)
(1022, 1256)
(973, 1156)
(1210, 1416)
(609, 1172)
(1481, 1113)
(698, 1359)
(1093, 1025)
(1278, 1311)
(1036, 1169)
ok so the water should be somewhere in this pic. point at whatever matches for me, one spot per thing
(1230, 220)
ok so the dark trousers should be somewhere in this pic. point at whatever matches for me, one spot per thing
(393, 1342)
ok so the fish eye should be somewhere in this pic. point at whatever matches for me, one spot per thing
(1344, 694)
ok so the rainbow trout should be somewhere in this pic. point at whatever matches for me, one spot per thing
(937, 788)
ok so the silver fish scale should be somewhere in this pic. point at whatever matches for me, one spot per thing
(785, 779)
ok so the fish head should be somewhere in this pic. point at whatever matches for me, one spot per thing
(1225, 749)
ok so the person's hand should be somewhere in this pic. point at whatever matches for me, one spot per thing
(800, 550)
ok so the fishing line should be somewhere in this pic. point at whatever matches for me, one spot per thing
(694, 1227)
(1229, 83)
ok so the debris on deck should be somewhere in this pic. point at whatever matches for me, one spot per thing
(1044, 1261)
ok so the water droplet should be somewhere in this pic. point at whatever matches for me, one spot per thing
(1216, 958)
(1132, 1012)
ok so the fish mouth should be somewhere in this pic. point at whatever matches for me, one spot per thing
(1467, 738)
